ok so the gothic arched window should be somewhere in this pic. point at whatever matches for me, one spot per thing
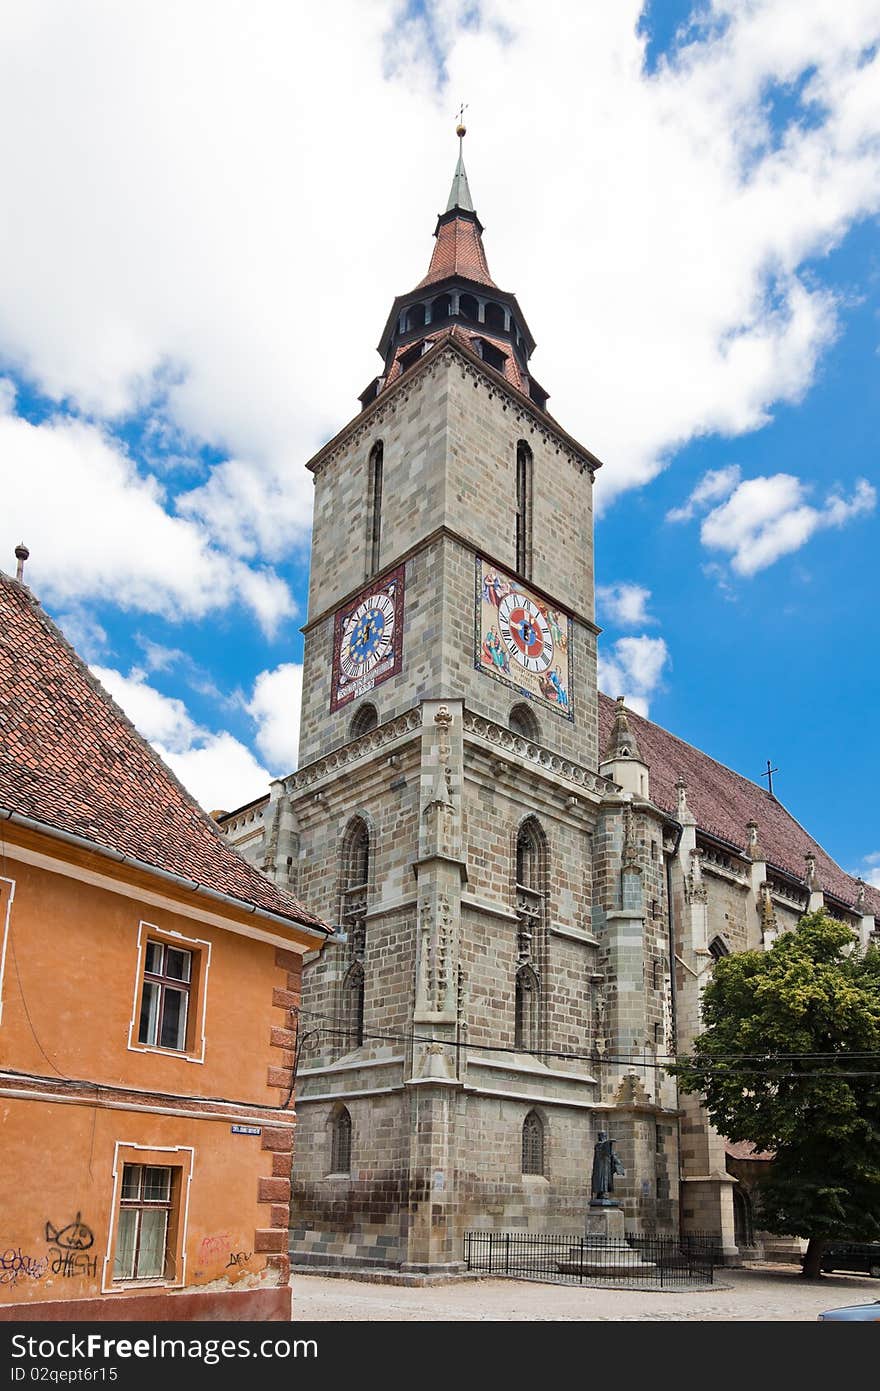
(364, 719)
(718, 948)
(374, 506)
(355, 859)
(531, 894)
(530, 855)
(355, 879)
(524, 465)
(353, 1007)
(533, 1144)
(340, 1142)
(523, 720)
(526, 1012)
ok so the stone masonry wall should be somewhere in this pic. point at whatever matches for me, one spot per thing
(447, 429)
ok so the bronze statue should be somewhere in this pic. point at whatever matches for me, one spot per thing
(605, 1165)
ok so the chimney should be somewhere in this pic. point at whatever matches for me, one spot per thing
(21, 555)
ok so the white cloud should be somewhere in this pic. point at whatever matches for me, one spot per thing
(624, 604)
(83, 632)
(219, 248)
(217, 769)
(158, 657)
(163, 720)
(275, 706)
(715, 484)
(870, 869)
(221, 772)
(633, 669)
(98, 529)
(765, 518)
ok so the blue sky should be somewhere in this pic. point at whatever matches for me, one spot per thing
(210, 220)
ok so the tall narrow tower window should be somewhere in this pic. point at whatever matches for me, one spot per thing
(531, 886)
(355, 878)
(374, 509)
(340, 1141)
(533, 1144)
(523, 510)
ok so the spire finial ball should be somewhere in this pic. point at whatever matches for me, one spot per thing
(461, 131)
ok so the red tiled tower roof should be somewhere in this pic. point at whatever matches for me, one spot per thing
(724, 802)
(458, 250)
(458, 294)
(511, 370)
(71, 761)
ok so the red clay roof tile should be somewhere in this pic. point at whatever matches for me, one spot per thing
(458, 250)
(69, 758)
(723, 802)
(511, 370)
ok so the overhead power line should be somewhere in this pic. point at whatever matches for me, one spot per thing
(729, 1063)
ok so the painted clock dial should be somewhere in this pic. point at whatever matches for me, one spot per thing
(368, 635)
(368, 639)
(522, 639)
(525, 632)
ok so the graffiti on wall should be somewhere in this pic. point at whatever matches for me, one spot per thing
(15, 1266)
(69, 1259)
(213, 1247)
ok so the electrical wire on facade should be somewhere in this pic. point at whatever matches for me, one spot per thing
(766, 1059)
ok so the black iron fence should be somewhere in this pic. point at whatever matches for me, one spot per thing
(708, 1244)
(635, 1262)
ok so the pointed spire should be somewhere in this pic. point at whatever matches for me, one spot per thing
(621, 740)
(459, 248)
(460, 194)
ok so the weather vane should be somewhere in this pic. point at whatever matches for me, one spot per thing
(768, 774)
(461, 128)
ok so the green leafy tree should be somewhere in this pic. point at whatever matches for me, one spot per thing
(789, 1060)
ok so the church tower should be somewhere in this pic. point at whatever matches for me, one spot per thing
(498, 987)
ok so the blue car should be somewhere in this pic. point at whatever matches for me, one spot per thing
(854, 1313)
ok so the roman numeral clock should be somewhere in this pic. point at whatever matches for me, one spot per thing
(368, 639)
(522, 640)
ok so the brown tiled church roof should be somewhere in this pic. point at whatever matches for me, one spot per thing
(71, 760)
(458, 250)
(511, 370)
(723, 803)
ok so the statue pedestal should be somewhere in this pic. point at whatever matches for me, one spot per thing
(605, 1221)
(605, 1251)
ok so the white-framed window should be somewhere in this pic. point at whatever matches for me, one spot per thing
(143, 1242)
(170, 994)
(165, 998)
(147, 1233)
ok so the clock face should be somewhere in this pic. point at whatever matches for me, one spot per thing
(368, 639)
(522, 640)
(525, 632)
(368, 635)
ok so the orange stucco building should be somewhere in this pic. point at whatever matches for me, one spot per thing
(149, 988)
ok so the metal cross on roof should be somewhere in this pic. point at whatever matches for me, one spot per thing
(768, 774)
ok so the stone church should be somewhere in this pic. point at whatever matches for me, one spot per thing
(530, 883)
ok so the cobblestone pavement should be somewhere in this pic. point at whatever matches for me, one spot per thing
(776, 1293)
